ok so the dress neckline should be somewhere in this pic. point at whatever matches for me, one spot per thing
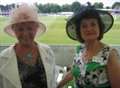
(91, 59)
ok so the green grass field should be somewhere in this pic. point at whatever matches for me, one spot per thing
(56, 33)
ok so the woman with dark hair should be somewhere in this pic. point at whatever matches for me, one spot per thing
(97, 65)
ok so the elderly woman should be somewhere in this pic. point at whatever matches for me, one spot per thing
(97, 65)
(26, 64)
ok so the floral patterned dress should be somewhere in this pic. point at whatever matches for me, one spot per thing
(92, 74)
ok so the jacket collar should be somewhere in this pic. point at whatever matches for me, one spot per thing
(10, 70)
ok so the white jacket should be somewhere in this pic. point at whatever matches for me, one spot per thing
(9, 77)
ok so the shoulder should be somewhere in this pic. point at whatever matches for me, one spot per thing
(113, 68)
(43, 46)
(46, 50)
(5, 55)
(114, 59)
(114, 56)
(6, 52)
(112, 53)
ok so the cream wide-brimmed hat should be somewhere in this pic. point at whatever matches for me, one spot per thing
(24, 13)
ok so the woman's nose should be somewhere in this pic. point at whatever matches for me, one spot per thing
(25, 31)
(88, 28)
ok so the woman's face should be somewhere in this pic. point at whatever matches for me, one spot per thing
(25, 32)
(89, 29)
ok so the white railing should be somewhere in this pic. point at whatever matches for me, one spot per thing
(64, 54)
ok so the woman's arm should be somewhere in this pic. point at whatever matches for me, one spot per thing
(114, 69)
(68, 77)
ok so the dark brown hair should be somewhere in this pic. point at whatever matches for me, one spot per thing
(89, 13)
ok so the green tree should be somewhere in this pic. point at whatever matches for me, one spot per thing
(40, 7)
(75, 7)
(116, 5)
(108, 7)
(98, 5)
(48, 8)
(66, 8)
(54, 8)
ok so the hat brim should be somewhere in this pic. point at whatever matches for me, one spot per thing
(105, 16)
(41, 29)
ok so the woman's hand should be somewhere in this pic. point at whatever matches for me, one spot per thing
(68, 77)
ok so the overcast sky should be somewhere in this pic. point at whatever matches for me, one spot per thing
(60, 2)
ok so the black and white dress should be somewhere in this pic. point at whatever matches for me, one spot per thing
(92, 74)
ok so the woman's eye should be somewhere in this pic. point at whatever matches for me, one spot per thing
(29, 28)
(84, 26)
(93, 24)
(20, 29)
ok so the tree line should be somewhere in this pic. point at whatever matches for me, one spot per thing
(55, 8)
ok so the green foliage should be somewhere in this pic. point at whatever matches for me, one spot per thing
(98, 5)
(75, 6)
(66, 8)
(116, 5)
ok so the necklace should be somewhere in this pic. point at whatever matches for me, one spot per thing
(29, 56)
(25, 55)
(28, 59)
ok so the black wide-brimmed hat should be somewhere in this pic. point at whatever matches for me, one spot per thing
(106, 18)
